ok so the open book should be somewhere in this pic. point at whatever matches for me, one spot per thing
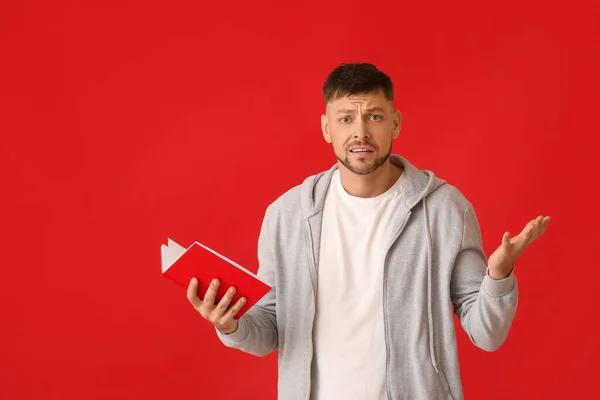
(180, 265)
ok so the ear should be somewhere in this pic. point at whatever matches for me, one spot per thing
(325, 128)
(397, 124)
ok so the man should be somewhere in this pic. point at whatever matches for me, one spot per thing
(366, 260)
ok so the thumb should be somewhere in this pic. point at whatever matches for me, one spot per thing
(506, 239)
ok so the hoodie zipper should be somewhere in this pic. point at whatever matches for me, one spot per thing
(385, 312)
(312, 267)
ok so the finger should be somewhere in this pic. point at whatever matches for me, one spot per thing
(536, 229)
(539, 225)
(235, 308)
(211, 293)
(192, 293)
(506, 239)
(226, 300)
(545, 224)
(532, 230)
(528, 228)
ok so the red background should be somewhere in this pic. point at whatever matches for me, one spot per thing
(126, 123)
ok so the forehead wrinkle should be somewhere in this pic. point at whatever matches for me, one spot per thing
(351, 105)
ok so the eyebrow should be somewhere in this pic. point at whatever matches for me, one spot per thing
(369, 110)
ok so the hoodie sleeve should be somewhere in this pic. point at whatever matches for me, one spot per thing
(257, 328)
(486, 307)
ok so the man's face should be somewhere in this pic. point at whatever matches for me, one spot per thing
(361, 129)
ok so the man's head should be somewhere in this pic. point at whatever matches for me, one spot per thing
(360, 121)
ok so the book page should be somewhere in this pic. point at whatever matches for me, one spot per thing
(170, 253)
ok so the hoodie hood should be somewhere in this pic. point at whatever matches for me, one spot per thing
(418, 184)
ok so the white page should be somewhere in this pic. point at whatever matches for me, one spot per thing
(172, 251)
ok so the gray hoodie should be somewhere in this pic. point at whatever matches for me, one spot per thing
(435, 266)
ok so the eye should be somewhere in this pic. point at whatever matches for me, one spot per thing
(345, 119)
(376, 117)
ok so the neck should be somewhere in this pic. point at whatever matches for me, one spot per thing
(371, 185)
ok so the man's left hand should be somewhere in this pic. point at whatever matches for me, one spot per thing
(502, 261)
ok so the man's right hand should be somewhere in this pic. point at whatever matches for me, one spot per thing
(220, 315)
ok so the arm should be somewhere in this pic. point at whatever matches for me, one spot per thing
(485, 306)
(256, 331)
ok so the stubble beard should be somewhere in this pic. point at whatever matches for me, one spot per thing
(363, 168)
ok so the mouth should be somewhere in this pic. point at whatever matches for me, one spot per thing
(361, 150)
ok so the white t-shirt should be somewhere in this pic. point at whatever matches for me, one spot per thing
(349, 343)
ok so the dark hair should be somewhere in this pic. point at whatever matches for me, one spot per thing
(360, 78)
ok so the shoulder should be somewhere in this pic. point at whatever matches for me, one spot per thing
(298, 198)
(449, 203)
(287, 201)
(450, 213)
(448, 196)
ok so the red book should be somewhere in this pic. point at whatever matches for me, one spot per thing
(180, 265)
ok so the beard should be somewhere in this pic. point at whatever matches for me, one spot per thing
(363, 167)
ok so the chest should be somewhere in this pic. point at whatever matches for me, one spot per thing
(354, 241)
(360, 228)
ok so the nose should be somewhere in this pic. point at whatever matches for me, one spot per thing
(360, 130)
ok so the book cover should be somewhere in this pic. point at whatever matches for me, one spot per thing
(180, 265)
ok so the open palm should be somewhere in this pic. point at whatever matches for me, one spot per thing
(502, 260)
